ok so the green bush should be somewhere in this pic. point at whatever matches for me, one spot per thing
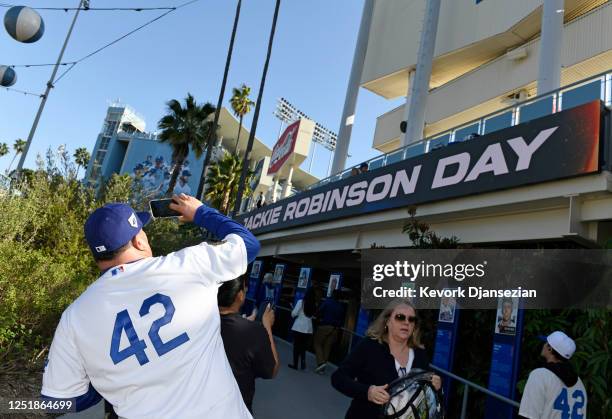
(45, 263)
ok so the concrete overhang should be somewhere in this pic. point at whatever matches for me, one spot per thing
(456, 62)
(535, 212)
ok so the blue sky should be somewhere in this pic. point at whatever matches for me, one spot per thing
(185, 52)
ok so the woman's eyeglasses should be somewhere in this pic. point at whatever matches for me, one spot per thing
(400, 317)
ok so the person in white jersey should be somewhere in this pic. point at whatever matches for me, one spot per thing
(554, 391)
(145, 335)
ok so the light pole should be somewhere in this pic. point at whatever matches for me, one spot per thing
(247, 153)
(211, 134)
(82, 3)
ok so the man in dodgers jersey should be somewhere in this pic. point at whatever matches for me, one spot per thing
(145, 335)
(554, 391)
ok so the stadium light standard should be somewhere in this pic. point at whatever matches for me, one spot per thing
(82, 4)
(247, 153)
(211, 135)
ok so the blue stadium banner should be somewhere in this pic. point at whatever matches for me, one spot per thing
(279, 272)
(302, 284)
(361, 327)
(254, 276)
(446, 338)
(505, 357)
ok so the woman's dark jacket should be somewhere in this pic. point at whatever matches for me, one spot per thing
(371, 363)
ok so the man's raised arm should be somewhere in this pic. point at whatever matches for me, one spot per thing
(195, 211)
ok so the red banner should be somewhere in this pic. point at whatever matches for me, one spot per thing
(283, 148)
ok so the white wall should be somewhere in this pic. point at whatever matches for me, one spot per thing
(396, 27)
(587, 50)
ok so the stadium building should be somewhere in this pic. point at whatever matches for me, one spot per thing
(124, 146)
(503, 140)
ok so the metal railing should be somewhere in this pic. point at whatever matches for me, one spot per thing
(467, 384)
(466, 387)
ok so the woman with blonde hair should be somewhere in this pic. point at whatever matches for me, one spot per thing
(390, 350)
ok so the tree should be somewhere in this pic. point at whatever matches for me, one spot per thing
(241, 105)
(18, 146)
(184, 127)
(247, 153)
(423, 237)
(4, 150)
(81, 158)
(222, 182)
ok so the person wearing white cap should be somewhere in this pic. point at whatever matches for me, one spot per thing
(554, 391)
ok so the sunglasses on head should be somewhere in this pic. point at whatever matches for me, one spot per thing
(400, 317)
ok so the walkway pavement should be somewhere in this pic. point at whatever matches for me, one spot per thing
(295, 394)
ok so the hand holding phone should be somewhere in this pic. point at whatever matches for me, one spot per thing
(186, 206)
(160, 208)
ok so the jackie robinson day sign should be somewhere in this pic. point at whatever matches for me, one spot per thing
(557, 146)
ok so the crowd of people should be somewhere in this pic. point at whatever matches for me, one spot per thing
(164, 337)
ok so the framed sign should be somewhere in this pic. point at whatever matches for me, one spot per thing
(279, 269)
(304, 277)
(507, 314)
(335, 283)
(448, 306)
(256, 269)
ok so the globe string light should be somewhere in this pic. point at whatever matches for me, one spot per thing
(72, 64)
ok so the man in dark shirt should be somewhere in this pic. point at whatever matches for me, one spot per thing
(249, 345)
(331, 315)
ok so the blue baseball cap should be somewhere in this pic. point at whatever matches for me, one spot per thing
(112, 226)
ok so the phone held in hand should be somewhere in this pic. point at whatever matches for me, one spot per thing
(160, 208)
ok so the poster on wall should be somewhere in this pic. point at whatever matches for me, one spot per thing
(303, 279)
(507, 314)
(278, 273)
(335, 280)
(302, 284)
(256, 269)
(448, 306)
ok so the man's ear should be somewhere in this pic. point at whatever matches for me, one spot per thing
(138, 242)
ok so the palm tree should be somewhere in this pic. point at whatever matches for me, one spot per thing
(81, 158)
(184, 127)
(247, 153)
(18, 146)
(222, 182)
(241, 105)
(4, 150)
(210, 142)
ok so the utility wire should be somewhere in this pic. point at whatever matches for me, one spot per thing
(23, 91)
(105, 9)
(39, 65)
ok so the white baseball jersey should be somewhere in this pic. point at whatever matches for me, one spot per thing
(178, 188)
(546, 397)
(146, 335)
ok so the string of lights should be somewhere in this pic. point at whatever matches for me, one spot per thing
(103, 9)
(72, 64)
(10, 89)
